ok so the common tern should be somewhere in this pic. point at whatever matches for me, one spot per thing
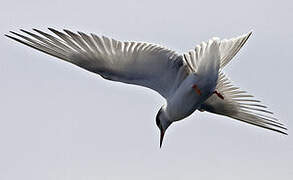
(191, 81)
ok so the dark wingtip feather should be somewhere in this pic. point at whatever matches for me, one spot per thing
(22, 30)
(27, 32)
(11, 37)
(70, 33)
(249, 34)
(53, 30)
(66, 30)
(282, 132)
(15, 33)
(38, 31)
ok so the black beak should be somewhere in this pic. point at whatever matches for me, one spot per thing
(162, 137)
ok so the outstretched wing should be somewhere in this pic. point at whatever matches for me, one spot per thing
(136, 63)
(230, 47)
(226, 49)
(209, 58)
(239, 105)
(204, 60)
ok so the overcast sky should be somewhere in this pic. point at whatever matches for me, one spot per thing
(59, 122)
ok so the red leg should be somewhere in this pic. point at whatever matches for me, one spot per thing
(196, 89)
(219, 95)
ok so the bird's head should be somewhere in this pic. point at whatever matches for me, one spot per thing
(162, 123)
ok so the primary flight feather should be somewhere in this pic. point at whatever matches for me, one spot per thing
(194, 80)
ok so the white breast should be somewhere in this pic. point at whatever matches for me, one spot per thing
(185, 100)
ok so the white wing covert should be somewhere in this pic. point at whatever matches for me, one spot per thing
(205, 58)
(136, 63)
(204, 61)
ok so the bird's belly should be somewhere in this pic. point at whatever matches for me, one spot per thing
(184, 107)
(185, 101)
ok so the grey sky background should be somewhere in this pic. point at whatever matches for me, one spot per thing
(59, 122)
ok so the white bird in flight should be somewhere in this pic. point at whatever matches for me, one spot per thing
(188, 82)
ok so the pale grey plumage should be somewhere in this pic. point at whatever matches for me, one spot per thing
(240, 105)
(159, 68)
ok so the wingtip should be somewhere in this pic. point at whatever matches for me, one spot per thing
(249, 33)
(22, 30)
(36, 30)
(11, 37)
(285, 133)
(12, 32)
(283, 130)
(52, 30)
(68, 32)
(7, 35)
